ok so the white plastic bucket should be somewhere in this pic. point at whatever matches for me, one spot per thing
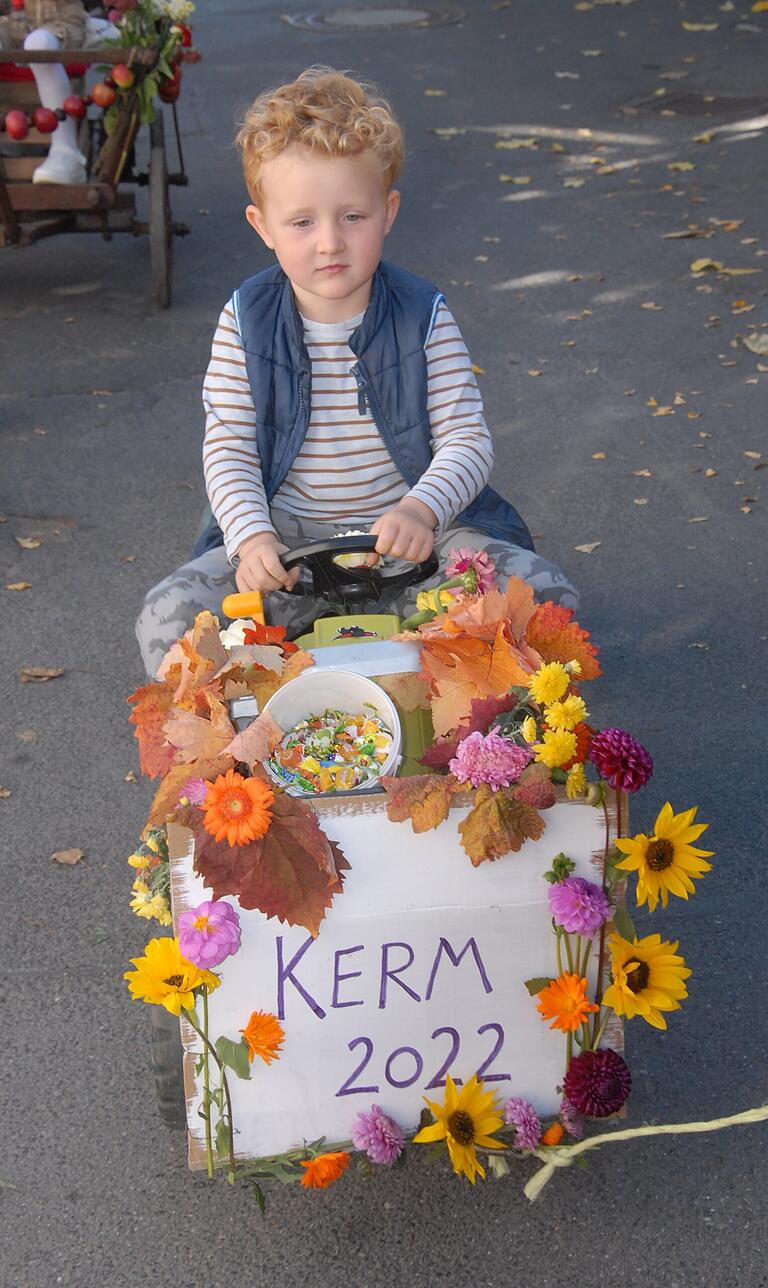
(313, 691)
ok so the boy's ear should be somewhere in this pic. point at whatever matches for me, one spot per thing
(255, 218)
(393, 205)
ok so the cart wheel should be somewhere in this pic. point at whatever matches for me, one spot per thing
(159, 216)
(167, 1067)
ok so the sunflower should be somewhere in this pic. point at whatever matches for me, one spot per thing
(237, 809)
(666, 862)
(165, 978)
(464, 1121)
(648, 978)
(324, 1170)
(565, 1003)
(264, 1035)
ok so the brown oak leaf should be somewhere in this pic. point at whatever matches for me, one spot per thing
(535, 787)
(423, 798)
(254, 744)
(196, 737)
(498, 824)
(553, 633)
(152, 703)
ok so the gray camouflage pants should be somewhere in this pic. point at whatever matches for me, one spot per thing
(171, 606)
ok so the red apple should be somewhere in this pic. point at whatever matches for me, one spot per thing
(103, 95)
(16, 124)
(44, 120)
(74, 106)
(170, 88)
(122, 76)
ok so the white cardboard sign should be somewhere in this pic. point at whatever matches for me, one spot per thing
(417, 971)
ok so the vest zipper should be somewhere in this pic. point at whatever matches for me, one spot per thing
(362, 398)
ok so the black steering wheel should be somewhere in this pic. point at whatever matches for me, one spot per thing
(353, 586)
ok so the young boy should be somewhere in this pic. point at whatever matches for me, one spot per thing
(340, 394)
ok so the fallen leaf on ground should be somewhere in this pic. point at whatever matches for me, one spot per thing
(703, 265)
(686, 232)
(535, 372)
(435, 93)
(664, 411)
(4, 793)
(699, 518)
(479, 371)
(681, 165)
(449, 131)
(598, 456)
(651, 306)
(18, 585)
(699, 26)
(640, 500)
(29, 543)
(39, 674)
(642, 474)
(130, 777)
(753, 456)
(514, 178)
(756, 342)
(516, 143)
(574, 183)
(705, 137)
(29, 735)
(68, 857)
(588, 548)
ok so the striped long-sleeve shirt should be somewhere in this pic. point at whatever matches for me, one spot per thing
(343, 469)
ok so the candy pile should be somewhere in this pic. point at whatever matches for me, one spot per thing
(333, 752)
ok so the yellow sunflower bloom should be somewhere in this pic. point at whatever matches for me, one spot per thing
(648, 978)
(549, 683)
(164, 978)
(666, 862)
(556, 748)
(566, 714)
(464, 1121)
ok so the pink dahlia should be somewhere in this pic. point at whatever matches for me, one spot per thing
(378, 1135)
(597, 1083)
(489, 758)
(620, 759)
(578, 905)
(476, 565)
(521, 1115)
(209, 933)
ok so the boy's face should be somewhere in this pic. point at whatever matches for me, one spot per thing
(326, 219)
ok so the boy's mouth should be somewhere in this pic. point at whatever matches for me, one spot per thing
(332, 268)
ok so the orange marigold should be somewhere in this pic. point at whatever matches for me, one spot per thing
(324, 1170)
(553, 1135)
(237, 809)
(565, 1003)
(264, 1035)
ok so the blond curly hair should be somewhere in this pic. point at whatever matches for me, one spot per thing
(324, 110)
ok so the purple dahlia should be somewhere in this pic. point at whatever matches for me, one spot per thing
(578, 905)
(620, 759)
(597, 1083)
(209, 933)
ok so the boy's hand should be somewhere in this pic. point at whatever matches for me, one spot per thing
(260, 567)
(405, 532)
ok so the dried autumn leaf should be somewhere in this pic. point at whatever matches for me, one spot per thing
(198, 737)
(756, 342)
(681, 165)
(292, 873)
(39, 674)
(482, 614)
(423, 798)
(18, 585)
(241, 680)
(68, 857)
(171, 788)
(194, 660)
(498, 824)
(588, 548)
(554, 634)
(254, 744)
(482, 714)
(407, 688)
(535, 787)
(702, 265)
(515, 178)
(29, 543)
(4, 793)
(460, 670)
(152, 703)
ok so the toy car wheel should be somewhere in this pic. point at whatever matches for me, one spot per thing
(167, 1067)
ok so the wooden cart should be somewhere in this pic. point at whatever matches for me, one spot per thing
(106, 202)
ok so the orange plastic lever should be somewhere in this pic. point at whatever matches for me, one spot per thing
(249, 604)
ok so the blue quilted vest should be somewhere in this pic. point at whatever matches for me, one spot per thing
(391, 375)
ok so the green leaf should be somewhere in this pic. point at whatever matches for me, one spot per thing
(559, 776)
(199, 1062)
(258, 1194)
(222, 1138)
(235, 1056)
(624, 923)
(536, 984)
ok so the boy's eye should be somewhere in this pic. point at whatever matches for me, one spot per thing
(355, 218)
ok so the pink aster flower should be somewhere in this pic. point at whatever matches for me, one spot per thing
(489, 758)
(477, 562)
(620, 759)
(195, 790)
(597, 1083)
(378, 1135)
(209, 933)
(521, 1115)
(579, 906)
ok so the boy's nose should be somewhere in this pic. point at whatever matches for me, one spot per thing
(330, 240)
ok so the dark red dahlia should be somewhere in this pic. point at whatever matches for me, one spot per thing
(620, 759)
(597, 1083)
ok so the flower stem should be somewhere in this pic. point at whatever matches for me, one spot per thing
(558, 937)
(568, 1049)
(207, 1047)
(601, 949)
(207, 1088)
(599, 1034)
(568, 953)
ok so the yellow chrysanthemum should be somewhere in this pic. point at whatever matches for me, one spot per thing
(549, 683)
(666, 862)
(433, 601)
(161, 911)
(648, 978)
(164, 978)
(576, 782)
(464, 1121)
(141, 903)
(556, 748)
(566, 714)
(529, 729)
(137, 860)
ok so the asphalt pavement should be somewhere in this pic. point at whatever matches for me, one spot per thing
(628, 412)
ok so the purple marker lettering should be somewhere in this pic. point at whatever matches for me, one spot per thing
(337, 978)
(444, 946)
(386, 973)
(286, 973)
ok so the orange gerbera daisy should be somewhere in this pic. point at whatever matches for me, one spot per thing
(565, 1003)
(324, 1170)
(237, 809)
(264, 1035)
